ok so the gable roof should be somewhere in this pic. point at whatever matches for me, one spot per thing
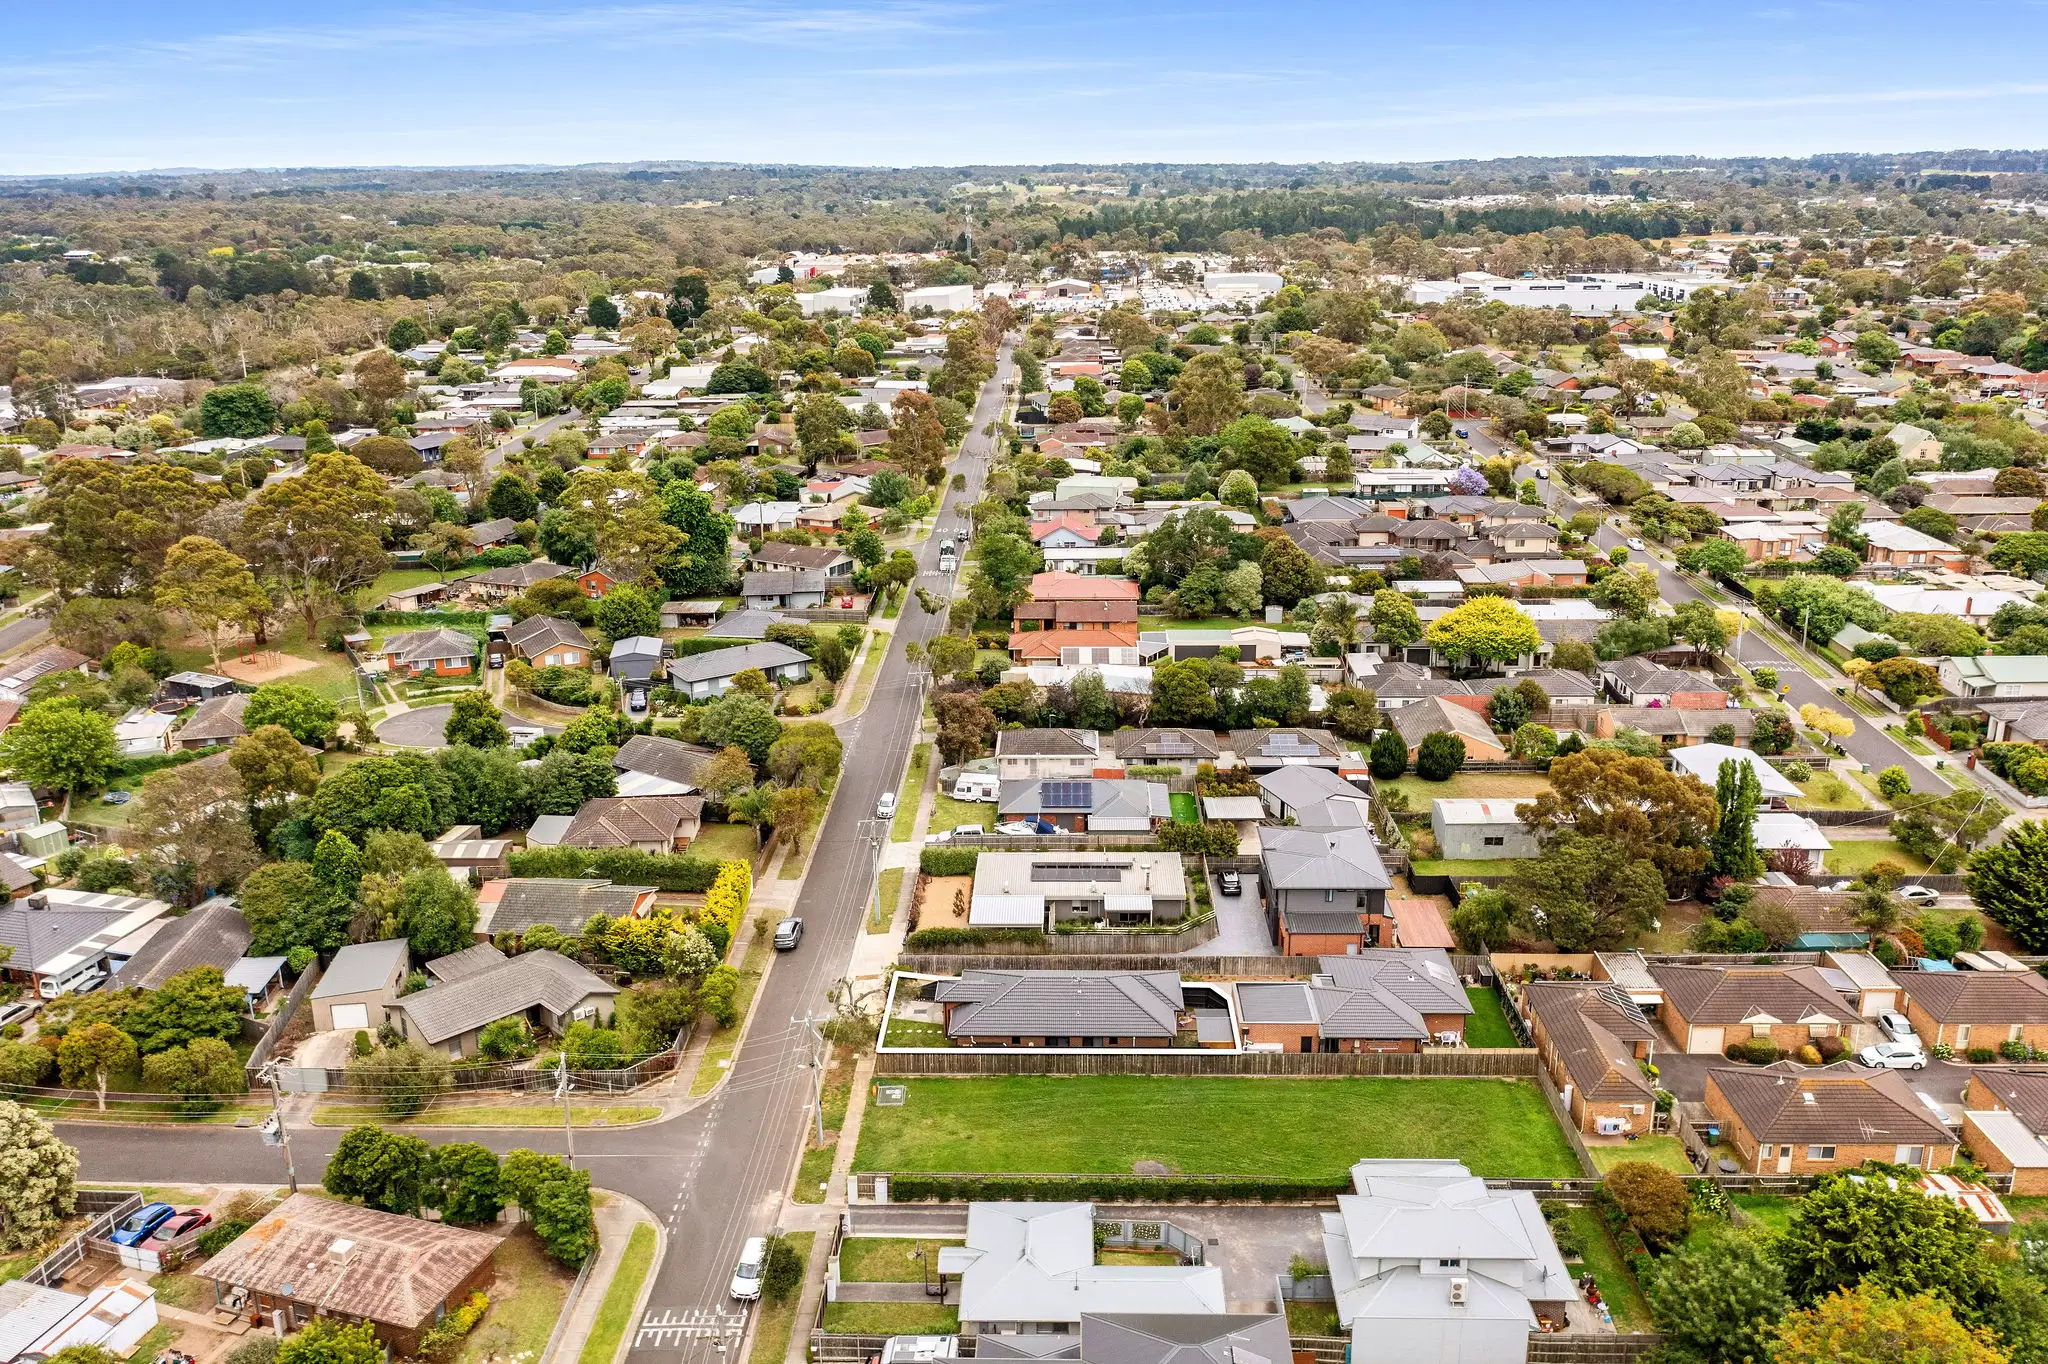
(717, 663)
(537, 634)
(1317, 797)
(1081, 587)
(622, 821)
(468, 962)
(399, 1270)
(1141, 746)
(774, 554)
(2025, 1092)
(1173, 1338)
(1433, 714)
(1787, 1102)
(1105, 797)
(1592, 1029)
(782, 582)
(1286, 746)
(518, 575)
(1319, 859)
(214, 934)
(1061, 1003)
(427, 646)
(217, 720)
(478, 997)
(1047, 743)
(77, 925)
(669, 759)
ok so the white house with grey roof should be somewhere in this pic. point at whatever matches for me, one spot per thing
(64, 939)
(1024, 753)
(1432, 1267)
(1028, 1269)
(1086, 804)
(474, 990)
(1041, 889)
(702, 676)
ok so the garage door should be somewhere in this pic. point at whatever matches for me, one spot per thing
(1703, 1040)
(351, 1015)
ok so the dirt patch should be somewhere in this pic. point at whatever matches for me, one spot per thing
(943, 901)
(1150, 1167)
(265, 666)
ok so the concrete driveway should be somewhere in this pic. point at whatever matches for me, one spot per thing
(1686, 1076)
(425, 727)
(1250, 1244)
(1240, 922)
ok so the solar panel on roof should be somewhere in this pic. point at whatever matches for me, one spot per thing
(1067, 795)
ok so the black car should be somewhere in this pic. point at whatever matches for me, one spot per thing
(788, 934)
(1230, 883)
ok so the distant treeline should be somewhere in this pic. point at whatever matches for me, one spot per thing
(1199, 223)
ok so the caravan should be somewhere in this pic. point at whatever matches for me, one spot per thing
(977, 786)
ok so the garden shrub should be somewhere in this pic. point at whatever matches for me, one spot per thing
(1981, 1055)
(215, 1238)
(676, 872)
(1761, 1051)
(2015, 1050)
(1831, 1048)
(1799, 772)
(442, 1337)
(565, 686)
(948, 861)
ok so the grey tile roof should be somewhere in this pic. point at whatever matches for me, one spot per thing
(1180, 1338)
(1062, 1003)
(466, 963)
(426, 646)
(544, 979)
(217, 721)
(519, 575)
(214, 934)
(1047, 743)
(1316, 797)
(669, 759)
(622, 821)
(492, 532)
(1314, 859)
(718, 663)
(563, 902)
(537, 634)
(773, 555)
(1593, 1028)
(747, 623)
(41, 936)
(1165, 745)
(362, 967)
(1259, 746)
(1380, 994)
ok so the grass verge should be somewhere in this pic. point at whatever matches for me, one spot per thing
(1603, 1259)
(1305, 1129)
(725, 1041)
(870, 669)
(905, 822)
(487, 1115)
(777, 1319)
(884, 1319)
(616, 1313)
(889, 890)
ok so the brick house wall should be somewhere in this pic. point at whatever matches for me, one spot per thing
(2029, 1182)
(1585, 1114)
(1288, 1037)
(1962, 1036)
(1846, 1156)
(1075, 1040)
(1699, 700)
(403, 1338)
(1788, 1036)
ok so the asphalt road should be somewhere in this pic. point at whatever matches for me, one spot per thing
(20, 632)
(716, 1174)
(496, 455)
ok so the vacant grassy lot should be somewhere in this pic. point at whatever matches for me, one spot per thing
(734, 842)
(1301, 1129)
(1488, 1025)
(1469, 786)
(1854, 856)
(948, 813)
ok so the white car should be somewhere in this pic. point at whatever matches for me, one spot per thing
(1898, 1029)
(957, 831)
(1893, 1056)
(1919, 895)
(1635, 543)
(746, 1277)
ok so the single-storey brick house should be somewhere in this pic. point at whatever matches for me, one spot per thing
(1709, 1008)
(1378, 1000)
(1967, 1009)
(317, 1257)
(1589, 1037)
(416, 653)
(2005, 1113)
(1062, 1008)
(1786, 1119)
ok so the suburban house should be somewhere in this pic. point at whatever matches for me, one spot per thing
(144, 733)
(1429, 1264)
(744, 623)
(1374, 1000)
(1058, 587)
(1326, 890)
(1184, 750)
(1040, 889)
(1995, 676)
(214, 722)
(318, 1257)
(1589, 1036)
(462, 848)
(215, 934)
(502, 530)
(1528, 539)
(1703, 762)
(1710, 1008)
(1789, 1120)
(549, 642)
(1022, 754)
(784, 589)
(1965, 1009)
(37, 1323)
(1116, 615)
(67, 940)
(1440, 714)
(1263, 750)
(596, 582)
(1315, 798)
(831, 560)
(1155, 1338)
(362, 982)
(709, 674)
(564, 903)
(986, 1008)
(1639, 682)
(649, 824)
(501, 584)
(650, 765)
(191, 686)
(479, 985)
(18, 674)
(1480, 829)
(635, 664)
(1790, 843)
(1086, 804)
(418, 653)
(1900, 546)
(1028, 1270)
(2005, 1114)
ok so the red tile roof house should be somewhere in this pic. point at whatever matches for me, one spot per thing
(1081, 587)
(1069, 532)
(1709, 1008)
(417, 653)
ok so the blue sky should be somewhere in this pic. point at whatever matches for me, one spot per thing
(134, 84)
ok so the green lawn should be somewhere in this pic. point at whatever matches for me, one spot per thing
(725, 1041)
(526, 1299)
(1854, 856)
(905, 822)
(1185, 808)
(889, 890)
(1772, 1210)
(887, 1259)
(726, 842)
(776, 1319)
(1601, 1257)
(864, 683)
(948, 813)
(1468, 866)
(1665, 1152)
(813, 1172)
(1307, 1317)
(1826, 791)
(1469, 786)
(910, 1032)
(392, 580)
(1909, 739)
(616, 1313)
(1488, 1025)
(881, 1319)
(1302, 1129)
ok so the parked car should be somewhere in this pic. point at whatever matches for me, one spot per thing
(1897, 1028)
(192, 1219)
(789, 933)
(1836, 887)
(117, 798)
(1893, 1056)
(957, 831)
(885, 806)
(139, 1225)
(21, 1011)
(1230, 883)
(746, 1277)
(1919, 895)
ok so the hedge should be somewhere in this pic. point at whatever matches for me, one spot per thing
(726, 900)
(928, 939)
(129, 768)
(683, 648)
(664, 871)
(948, 861)
(910, 1188)
(476, 619)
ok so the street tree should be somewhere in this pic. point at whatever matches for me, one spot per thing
(388, 1171)
(318, 534)
(38, 1179)
(91, 1055)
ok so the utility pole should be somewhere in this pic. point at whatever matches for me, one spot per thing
(273, 1131)
(562, 1093)
(817, 1068)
